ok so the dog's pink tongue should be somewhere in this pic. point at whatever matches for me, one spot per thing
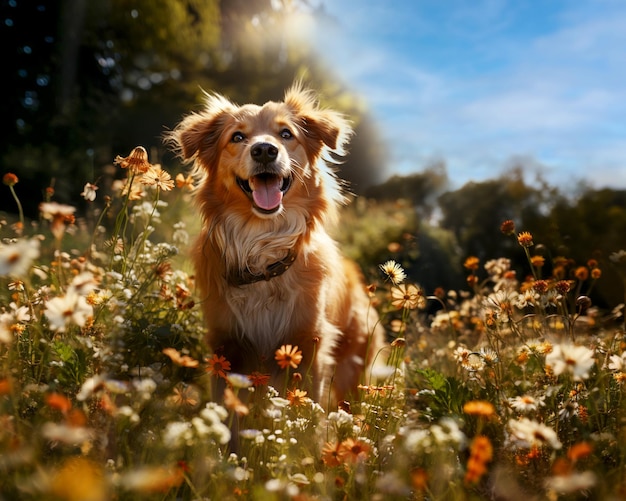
(266, 191)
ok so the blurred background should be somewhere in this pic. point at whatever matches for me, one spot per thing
(86, 80)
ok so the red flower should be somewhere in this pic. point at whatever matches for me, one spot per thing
(218, 366)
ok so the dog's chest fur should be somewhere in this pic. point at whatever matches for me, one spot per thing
(265, 311)
(268, 311)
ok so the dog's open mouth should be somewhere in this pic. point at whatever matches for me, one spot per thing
(265, 190)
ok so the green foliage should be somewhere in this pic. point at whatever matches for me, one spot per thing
(441, 396)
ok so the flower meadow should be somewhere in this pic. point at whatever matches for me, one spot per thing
(509, 389)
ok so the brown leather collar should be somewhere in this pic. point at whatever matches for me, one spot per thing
(245, 277)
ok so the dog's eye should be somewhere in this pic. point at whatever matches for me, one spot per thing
(237, 137)
(286, 134)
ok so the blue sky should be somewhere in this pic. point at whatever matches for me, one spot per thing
(483, 84)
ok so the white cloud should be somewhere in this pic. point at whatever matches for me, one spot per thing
(557, 95)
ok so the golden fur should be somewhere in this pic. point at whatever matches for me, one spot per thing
(266, 193)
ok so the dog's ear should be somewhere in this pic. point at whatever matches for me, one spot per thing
(197, 136)
(322, 127)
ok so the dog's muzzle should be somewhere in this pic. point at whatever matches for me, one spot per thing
(266, 188)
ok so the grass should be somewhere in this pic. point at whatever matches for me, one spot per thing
(509, 389)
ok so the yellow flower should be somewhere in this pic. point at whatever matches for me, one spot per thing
(288, 356)
(525, 239)
(79, 479)
(407, 296)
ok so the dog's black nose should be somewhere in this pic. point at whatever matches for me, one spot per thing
(264, 152)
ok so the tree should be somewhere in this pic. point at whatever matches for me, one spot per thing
(91, 79)
(593, 226)
(420, 188)
(475, 212)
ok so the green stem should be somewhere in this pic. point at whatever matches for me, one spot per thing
(121, 220)
(139, 249)
(19, 205)
(93, 235)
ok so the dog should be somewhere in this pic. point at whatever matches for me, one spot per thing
(267, 271)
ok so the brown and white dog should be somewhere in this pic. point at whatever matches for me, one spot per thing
(268, 272)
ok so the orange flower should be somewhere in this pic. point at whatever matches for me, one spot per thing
(297, 397)
(184, 182)
(218, 366)
(185, 396)
(581, 273)
(525, 239)
(354, 451)
(371, 390)
(258, 379)
(507, 227)
(156, 176)
(59, 402)
(178, 359)
(232, 402)
(541, 286)
(538, 261)
(76, 418)
(419, 479)
(10, 179)
(481, 453)
(137, 161)
(331, 454)
(288, 356)
(471, 263)
(579, 451)
(479, 408)
(5, 386)
(563, 286)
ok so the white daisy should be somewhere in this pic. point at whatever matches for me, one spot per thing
(576, 360)
(17, 258)
(528, 434)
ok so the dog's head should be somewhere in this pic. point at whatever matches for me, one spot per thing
(264, 158)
